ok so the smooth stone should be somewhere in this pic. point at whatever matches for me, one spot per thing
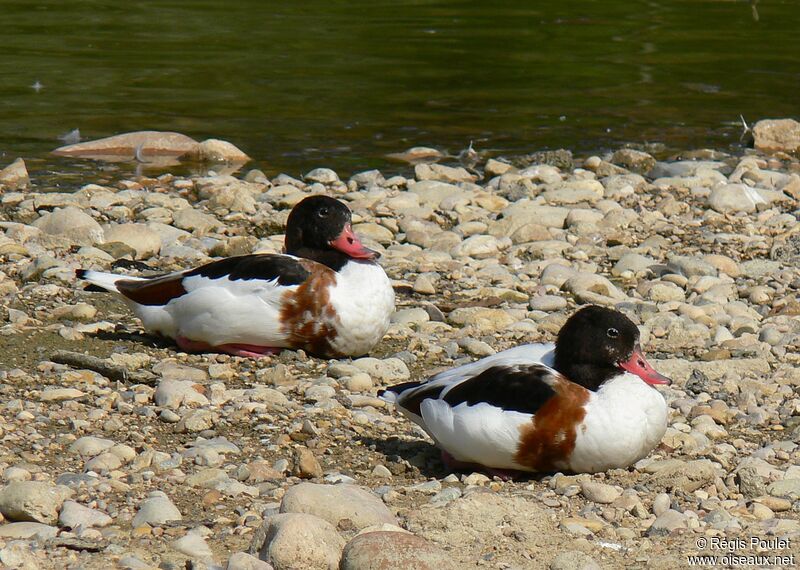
(385, 370)
(89, 445)
(599, 492)
(415, 315)
(735, 198)
(633, 262)
(215, 150)
(193, 545)
(127, 145)
(74, 515)
(661, 504)
(142, 239)
(291, 541)
(667, 522)
(336, 502)
(71, 223)
(155, 510)
(173, 394)
(548, 303)
(60, 394)
(244, 561)
(788, 488)
(381, 550)
(777, 135)
(36, 501)
(26, 530)
(322, 175)
(306, 464)
(483, 318)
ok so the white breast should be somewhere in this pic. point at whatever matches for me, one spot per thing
(363, 299)
(625, 419)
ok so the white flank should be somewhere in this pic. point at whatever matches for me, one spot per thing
(481, 433)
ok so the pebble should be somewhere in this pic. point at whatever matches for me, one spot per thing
(306, 465)
(193, 545)
(74, 515)
(667, 522)
(599, 492)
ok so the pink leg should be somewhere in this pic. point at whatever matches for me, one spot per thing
(456, 465)
(247, 350)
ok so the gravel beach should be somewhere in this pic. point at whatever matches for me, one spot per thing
(118, 450)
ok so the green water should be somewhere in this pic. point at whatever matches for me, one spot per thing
(341, 83)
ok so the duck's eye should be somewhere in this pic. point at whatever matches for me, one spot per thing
(612, 333)
(322, 212)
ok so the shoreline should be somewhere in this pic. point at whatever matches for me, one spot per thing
(703, 254)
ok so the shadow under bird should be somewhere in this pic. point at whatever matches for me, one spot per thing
(585, 404)
(326, 295)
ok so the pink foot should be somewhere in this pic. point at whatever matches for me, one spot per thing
(246, 350)
(456, 465)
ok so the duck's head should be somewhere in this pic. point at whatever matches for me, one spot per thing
(319, 227)
(597, 344)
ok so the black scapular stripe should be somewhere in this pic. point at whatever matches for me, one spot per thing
(517, 388)
(266, 266)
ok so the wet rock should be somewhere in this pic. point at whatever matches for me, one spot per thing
(387, 549)
(290, 541)
(146, 144)
(35, 501)
(337, 502)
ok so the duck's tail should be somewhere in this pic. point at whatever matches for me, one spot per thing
(101, 281)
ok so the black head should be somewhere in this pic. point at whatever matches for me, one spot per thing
(318, 228)
(596, 344)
